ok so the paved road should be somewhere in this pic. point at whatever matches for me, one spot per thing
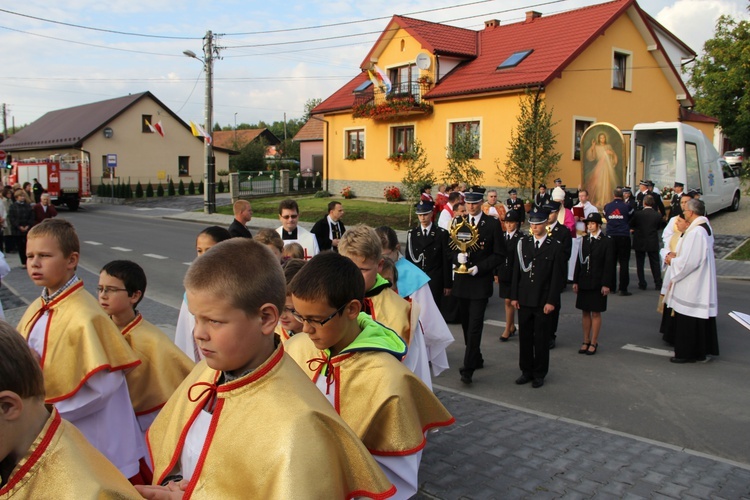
(585, 433)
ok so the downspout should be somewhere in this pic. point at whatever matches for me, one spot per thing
(326, 143)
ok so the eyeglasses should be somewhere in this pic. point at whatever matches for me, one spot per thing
(106, 290)
(293, 216)
(314, 322)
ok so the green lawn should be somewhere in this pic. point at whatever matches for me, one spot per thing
(742, 253)
(372, 213)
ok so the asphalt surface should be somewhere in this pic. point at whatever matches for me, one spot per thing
(500, 448)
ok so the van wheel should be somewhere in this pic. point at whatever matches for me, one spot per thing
(735, 203)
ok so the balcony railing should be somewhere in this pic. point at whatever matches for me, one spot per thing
(404, 99)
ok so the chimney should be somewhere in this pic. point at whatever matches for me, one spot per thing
(492, 23)
(531, 15)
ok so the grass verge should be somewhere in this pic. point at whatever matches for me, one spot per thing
(742, 253)
(372, 213)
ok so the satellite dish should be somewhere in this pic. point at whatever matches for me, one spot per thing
(423, 61)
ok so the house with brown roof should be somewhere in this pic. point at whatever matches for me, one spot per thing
(425, 81)
(90, 132)
(238, 139)
(310, 138)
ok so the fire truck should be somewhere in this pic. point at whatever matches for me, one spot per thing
(66, 181)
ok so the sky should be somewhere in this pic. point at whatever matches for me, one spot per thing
(274, 56)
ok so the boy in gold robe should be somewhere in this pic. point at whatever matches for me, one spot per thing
(83, 356)
(41, 455)
(247, 422)
(355, 362)
(122, 284)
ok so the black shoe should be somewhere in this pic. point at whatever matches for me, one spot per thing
(466, 379)
(552, 344)
(523, 379)
(624, 293)
(480, 365)
(642, 287)
(657, 286)
(680, 361)
(537, 383)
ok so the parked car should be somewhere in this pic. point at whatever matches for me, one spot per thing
(734, 158)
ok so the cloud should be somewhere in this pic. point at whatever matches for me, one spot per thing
(694, 21)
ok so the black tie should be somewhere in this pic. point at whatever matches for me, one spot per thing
(472, 221)
(537, 244)
(424, 231)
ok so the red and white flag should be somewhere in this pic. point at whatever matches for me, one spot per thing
(156, 128)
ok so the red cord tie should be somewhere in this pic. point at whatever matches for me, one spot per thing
(208, 391)
(328, 366)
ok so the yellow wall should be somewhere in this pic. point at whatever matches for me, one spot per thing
(584, 91)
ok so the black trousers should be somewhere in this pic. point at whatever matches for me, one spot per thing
(533, 337)
(653, 258)
(622, 252)
(471, 313)
(21, 247)
(436, 288)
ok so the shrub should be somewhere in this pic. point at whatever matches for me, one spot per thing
(220, 187)
(318, 180)
(201, 187)
(160, 190)
(149, 190)
(181, 188)
(170, 188)
(138, 190)
(392, 193)
(191, 187)
(322, 194)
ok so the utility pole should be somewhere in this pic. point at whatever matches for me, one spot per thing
(209, 193)
(5, 122)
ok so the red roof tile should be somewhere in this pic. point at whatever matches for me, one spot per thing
(312, 130)
(225, 138)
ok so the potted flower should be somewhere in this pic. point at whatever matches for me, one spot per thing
(527, 205)
(347, 193)
(392, 193)
(424, 80)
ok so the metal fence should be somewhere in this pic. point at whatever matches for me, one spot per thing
(265, 183)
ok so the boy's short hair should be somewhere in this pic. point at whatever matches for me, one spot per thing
(293, 250)
(19, 371)
(361, 241)
(288, 204)
(291, 268)
(388, 237)
(131, 274)
(61, 231)
(268, 236)
(242, 271)
(329, 277)
(390, 267)
(454, 197)
(217, 233)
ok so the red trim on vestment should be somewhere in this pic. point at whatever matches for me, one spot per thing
(204, 450)
(89, 375)
(368, 494)
(256, 374)
(36, 455)
(151, 410)
(136, 321)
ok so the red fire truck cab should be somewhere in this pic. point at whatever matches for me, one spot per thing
(66, 182)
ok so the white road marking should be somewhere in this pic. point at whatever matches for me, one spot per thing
(494, 322)
(143, 209)
(122, 249)
(95, 243)
(187, 263)
(648, 350)
(154, 256)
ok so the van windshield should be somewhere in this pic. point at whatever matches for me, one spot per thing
(659, 150)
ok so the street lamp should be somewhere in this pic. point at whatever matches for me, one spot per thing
(209, 167)
(235, 131)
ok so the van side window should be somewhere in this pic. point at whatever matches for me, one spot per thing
(692, 166)
(727, 170)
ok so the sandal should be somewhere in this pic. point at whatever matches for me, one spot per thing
(590, 352)
(584, 348)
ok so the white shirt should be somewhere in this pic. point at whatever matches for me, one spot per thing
(305, 238)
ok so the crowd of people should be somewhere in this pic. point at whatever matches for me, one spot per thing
(339, 320)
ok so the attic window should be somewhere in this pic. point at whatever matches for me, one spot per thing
(515, 59)
(363, 86)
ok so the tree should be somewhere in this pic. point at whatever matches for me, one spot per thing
(720, 79)
(309, 106)
(532, 157)
(252, 157)
(461, 155)
(417, 173)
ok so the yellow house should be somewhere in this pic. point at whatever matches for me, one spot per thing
(91, 132)
(610, 62)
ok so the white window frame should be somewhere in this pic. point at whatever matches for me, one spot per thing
(346, 141)
(577, 118)
(449, 127)
(628, 69)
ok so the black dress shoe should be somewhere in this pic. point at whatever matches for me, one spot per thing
(680, 361)
(523, 379)
(480, 365)
(642, 287)
(624, 293)
(537, 383)
(466, 379)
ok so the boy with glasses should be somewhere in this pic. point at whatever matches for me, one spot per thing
(291, 232)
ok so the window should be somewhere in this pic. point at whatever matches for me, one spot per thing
(402, 140)
(355, 144)
(578, 128)
(183, 166)
(692, 167)
(106, 171)
(145, 128)
(467, 131)
(404, 80)
(620, 74)
(515, 59)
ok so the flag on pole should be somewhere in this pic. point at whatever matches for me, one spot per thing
(199, 131)
(156, 128)
(386, 81)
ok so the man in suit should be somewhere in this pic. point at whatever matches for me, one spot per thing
(538, 277)
(646, 188)
(561, 234)
(329, 229)
(243, 213)
(474, 288)
(541, 197)
(515, 203)
(427, 248)
(645, 226)
(676, 210)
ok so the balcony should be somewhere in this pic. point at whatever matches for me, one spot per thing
(404, 99)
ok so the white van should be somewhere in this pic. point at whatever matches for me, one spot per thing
(669, 152)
